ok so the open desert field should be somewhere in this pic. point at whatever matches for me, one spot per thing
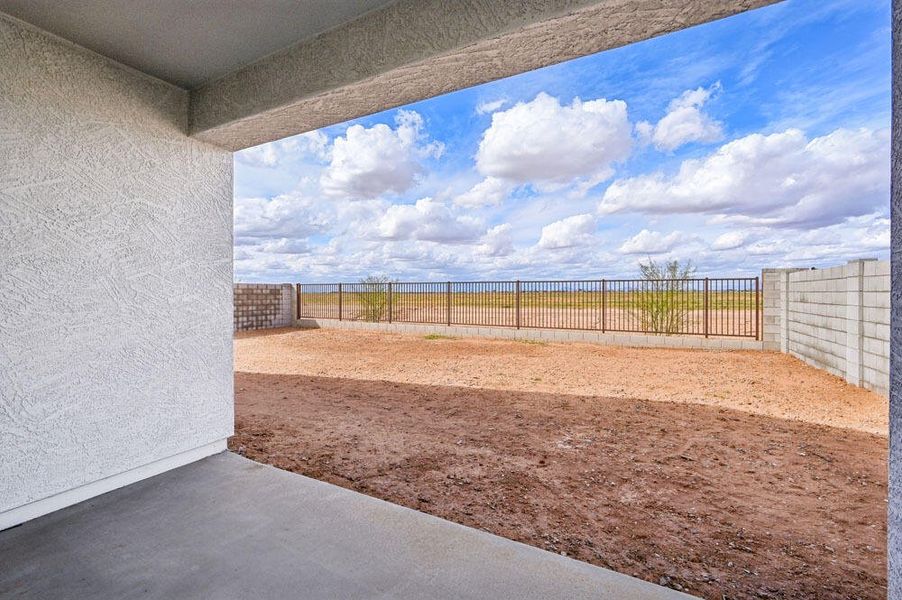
(731, 313)
(724, 474)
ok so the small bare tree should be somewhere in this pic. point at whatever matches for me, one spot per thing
(660, 306)
(372, 295)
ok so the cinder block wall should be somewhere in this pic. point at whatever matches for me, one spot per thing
(875, 326)
(632, 340)
(774, 284)
(817, 318)
(836, 319)
(263, 305)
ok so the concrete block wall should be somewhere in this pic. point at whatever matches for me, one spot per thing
(774, 284)
(632, 340)
(875, 322)
(817, 319)
(836, 319)
(263, 305)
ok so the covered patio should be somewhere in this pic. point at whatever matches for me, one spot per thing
(117, 126)
(228, 527)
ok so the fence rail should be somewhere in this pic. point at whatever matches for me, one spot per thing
(722, 307)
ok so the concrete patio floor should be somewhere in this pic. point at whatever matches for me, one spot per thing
(227, 527)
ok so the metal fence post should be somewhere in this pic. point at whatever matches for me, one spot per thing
(566, 304)
(389, 302)
(297, 299)
(518, 304)
(604, 303)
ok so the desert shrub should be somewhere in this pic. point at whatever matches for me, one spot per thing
(372, 296)
(659, 304)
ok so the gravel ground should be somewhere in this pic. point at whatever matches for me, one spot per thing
(695, 470)
(764, 383)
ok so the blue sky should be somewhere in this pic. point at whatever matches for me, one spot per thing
(761, 140)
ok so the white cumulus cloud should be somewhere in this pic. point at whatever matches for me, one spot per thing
(573, 231)
(543, 141)
(490, 106)
(428, 220)
(730, 240)
(370, 161)
(781, 179)
(285, 216)
(313, 143)
(285, 246)
(264, 155)
(491, 191)
(684, 122)
(497, 241)
(652, 242)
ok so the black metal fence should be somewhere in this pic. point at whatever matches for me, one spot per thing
(709, 307)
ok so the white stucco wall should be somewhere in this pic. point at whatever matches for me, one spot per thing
(115, 275)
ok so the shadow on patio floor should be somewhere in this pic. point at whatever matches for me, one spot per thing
(226, 527)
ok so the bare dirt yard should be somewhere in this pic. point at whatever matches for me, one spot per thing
(724, 474)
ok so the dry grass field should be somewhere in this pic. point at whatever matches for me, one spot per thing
(730, 312)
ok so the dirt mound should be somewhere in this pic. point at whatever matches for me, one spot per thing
(765, 383)
(717, 502)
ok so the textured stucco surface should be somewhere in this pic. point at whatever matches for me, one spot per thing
(415, 49)
(115, 271)
(894, 522)
(187, 43)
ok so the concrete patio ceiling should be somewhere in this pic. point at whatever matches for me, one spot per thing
(227, 527)
(187, 43)
(268, 69)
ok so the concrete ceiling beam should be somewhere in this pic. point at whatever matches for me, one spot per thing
(416, 49)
